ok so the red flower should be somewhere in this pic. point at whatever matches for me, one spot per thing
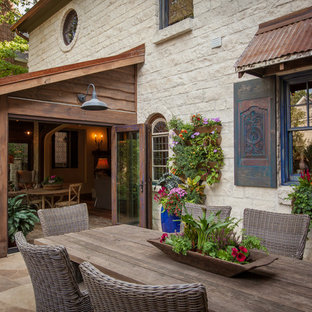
(163, 237)
(241, 257)
(243, 249)
(234, 252)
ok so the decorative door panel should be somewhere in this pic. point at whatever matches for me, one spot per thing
(254, 133)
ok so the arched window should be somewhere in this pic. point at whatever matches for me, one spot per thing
(160, 149)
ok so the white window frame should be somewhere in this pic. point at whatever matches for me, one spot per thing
(154, 135)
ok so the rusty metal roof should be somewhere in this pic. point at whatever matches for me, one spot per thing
(280, 40)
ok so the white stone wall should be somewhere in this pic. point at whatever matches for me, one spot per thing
(182, 74)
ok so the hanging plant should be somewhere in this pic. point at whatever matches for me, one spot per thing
(197, 152)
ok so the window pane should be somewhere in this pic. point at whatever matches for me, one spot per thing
(160, 127)
(158, 172)
(160, 158)
(179, 10)
(301, 151)
(160, 143)
(298, 116)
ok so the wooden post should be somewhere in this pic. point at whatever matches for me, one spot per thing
(36, 151)
(3, 176)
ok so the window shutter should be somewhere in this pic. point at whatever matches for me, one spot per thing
(255, 133)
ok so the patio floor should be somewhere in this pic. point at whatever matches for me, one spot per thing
(16, 292)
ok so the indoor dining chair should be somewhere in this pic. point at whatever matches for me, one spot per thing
(53, 278)
(281, 233)
(73, 196)
(109, 294)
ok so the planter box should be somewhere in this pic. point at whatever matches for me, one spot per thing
(204, 129)
(53, 186)
(215, 265)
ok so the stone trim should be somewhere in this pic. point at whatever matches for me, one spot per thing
(173, 31)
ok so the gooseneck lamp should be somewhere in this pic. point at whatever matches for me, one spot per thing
(93, 104)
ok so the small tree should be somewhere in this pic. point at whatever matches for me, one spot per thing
(11, 11)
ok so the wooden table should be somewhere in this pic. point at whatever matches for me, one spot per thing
(47, 196)
(122, 252)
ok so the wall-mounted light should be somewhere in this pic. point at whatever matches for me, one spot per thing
(28, 132)
(98, 139)
(94, 103)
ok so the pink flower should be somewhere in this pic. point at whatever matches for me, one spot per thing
(241, 257)
(243, 249)
(234, 252)
(163, 237)
(53, 177)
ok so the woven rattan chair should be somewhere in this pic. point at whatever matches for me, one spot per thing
(58, 221)
(109, 294)
(282, 234)
(196, 210)
(53, 279)
(73, 196)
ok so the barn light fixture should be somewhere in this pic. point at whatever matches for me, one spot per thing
(94, 103)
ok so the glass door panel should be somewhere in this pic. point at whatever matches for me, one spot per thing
(129, 175)
(128, 178)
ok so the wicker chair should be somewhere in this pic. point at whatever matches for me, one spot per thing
(282, 234)
(109, 294)
(52, 277)
(58, 221)
(73, 196)
(196, 210)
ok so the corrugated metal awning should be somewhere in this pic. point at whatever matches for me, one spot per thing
(279, 44)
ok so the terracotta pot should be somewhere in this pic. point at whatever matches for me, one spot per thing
(204, 129)
(212, 164)
(56, 186)
(219, 140)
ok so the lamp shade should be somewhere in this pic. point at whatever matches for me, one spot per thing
(102, 163)
(94, 103)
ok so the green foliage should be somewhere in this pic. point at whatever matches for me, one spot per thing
(16, 150)
(253, 242)
(180, 243)
(8, 50)
(20, 216)
(169, 181)
(194, 190)
(301, 196)
(13, 9)
(213, 237)
(197, 155)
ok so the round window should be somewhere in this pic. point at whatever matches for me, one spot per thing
(70, 27)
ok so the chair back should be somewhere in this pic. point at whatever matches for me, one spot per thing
(281, 233)
(52, 277)
(58, 221)
(25, 178)
(74, 192)
(196, 210)
(109, 294)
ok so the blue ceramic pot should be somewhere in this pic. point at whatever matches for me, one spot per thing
(169, 223)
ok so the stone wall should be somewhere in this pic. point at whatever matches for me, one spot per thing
(182, 73)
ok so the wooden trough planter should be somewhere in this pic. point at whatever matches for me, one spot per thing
(215, 265)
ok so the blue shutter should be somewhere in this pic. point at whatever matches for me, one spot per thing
(255, 133)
